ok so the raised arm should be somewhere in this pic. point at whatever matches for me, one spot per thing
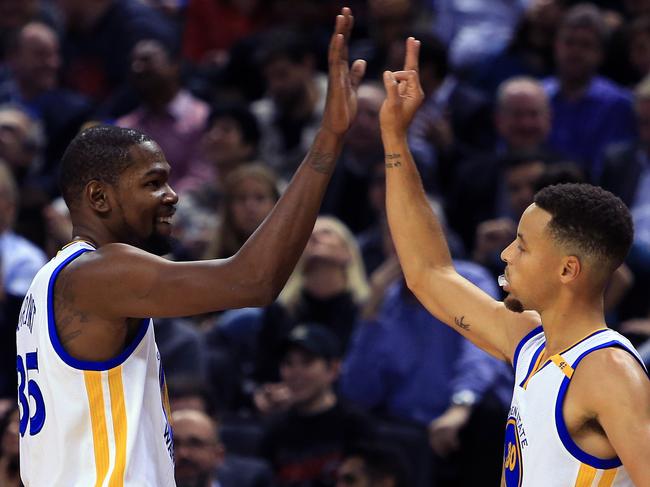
(136, 283)
(419, 238)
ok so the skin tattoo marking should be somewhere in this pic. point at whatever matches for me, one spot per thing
(322, 162)
(461, 323)
(393, 160)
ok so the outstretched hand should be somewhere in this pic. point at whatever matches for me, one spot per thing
(404, 94)
(341, 104)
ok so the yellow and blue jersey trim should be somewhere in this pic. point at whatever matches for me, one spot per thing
(560, 425)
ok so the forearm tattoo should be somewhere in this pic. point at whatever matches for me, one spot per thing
(393, 160)
(461, 323)
(322, 162)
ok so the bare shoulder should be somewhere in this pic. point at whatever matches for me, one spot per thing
(611, 377)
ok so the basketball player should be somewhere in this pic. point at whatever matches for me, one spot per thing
(92, 396)
(580, 413)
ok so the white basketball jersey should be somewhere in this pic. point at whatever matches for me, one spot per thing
(85, 424)
(539, 451)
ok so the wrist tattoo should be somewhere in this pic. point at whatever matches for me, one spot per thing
(461, 323)
(393, 160)
(321, 162)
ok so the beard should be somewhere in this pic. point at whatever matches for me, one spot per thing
(513, 304)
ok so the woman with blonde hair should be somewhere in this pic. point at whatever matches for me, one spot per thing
(249, 194)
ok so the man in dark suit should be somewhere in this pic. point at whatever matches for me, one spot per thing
(201, 459)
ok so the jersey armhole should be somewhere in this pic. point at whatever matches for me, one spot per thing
(54, 336)
(572, 448)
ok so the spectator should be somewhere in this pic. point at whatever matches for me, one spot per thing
(249, 195)
(34, 60)
(230, 141)
(405, 365)
(289, 113)
(328, 287)
(589, 111)
(20, 260)
(638, 37)
(522, 121)
(373, 466)
(168, 113)
(99, 38)
(354, 174)
(201, 458)
(454, 120)
(306, 444)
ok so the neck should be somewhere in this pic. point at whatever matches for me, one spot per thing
(570, 322)
(319, 404)
(158, 101)
(575, 88)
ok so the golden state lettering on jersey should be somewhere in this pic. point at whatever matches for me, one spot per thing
(515, 440)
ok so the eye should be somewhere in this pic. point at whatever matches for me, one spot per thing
(155, 183)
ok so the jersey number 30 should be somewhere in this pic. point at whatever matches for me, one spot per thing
(36, 418)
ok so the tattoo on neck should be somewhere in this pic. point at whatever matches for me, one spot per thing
(461, 323)
(322, 162)
(393, 160)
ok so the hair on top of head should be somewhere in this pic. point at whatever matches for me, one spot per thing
(589, 221)
(586, 16)
(97, 153)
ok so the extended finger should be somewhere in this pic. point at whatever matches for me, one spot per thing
(390, 83)
(357, 71)
(412, 54)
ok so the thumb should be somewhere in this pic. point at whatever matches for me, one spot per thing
(390, 83)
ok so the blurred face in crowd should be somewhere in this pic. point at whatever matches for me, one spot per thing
(308, 376)
(287, 81)
(520, 184)
(197, 449)
(640, 52)
(643, 121)
(578, 54)
(224, 143)
(523, 116)
(252, 200)
(352, 473)
(36, 61)
(364, 136)
(15, 146)
(152, 70)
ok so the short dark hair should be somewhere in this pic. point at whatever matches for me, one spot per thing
(590, 220)
(241, 114)
(381, 461)
(586, 16)
(102, 153)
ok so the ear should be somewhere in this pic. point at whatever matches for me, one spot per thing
(96, 194)
(571, 268)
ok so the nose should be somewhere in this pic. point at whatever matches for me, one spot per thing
(506, 252)
(170, 195)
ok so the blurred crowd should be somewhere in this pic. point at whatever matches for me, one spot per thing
(346, 380)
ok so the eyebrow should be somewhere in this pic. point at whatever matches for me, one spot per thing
(156, 171)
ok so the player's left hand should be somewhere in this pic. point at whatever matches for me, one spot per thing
(341, 103)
